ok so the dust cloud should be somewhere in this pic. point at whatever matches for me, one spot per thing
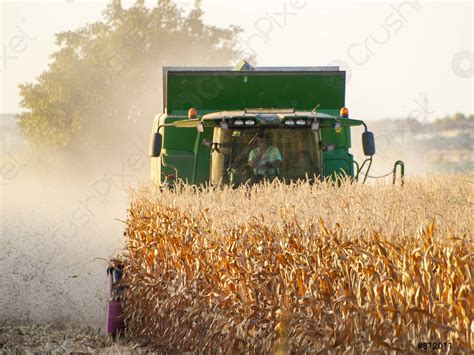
(391, 147)
(58, 230)
(62, 220)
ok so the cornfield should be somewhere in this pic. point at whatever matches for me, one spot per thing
(302, 268)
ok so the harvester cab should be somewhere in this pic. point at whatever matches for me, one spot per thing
(245, 125)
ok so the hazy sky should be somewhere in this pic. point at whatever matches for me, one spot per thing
(410, 58)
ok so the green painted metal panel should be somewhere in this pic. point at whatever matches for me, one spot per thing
(216, 91)
(182, 161)
(203, 162)
(330, 137)
(180, 152)
(185, 151)
(337, 162)
(179, 138)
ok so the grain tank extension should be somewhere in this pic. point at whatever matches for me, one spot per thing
(244, 124)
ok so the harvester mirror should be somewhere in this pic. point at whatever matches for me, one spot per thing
(368, 143)
(155, 144)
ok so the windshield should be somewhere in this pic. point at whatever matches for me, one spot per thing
(254, 155)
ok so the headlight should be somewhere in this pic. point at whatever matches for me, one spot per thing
(238, 122)
(300, 122)
(249, 122)
(289, 123)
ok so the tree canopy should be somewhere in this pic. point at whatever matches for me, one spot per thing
(105, 78)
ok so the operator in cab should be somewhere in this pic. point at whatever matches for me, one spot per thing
(265, 160)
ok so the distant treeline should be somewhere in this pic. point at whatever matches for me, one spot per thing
(449, 132)
(445, 123)
(456, 121)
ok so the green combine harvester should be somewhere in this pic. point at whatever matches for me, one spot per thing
(244, 125)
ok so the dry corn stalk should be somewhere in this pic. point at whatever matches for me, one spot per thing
(302, 268)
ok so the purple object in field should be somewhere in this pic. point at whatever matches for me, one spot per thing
(114, 307)
(114, 318)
